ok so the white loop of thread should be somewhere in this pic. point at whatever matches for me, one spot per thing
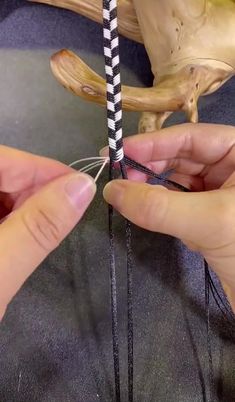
(98, 161)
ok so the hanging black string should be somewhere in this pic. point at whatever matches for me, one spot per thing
(207, 307)
(221, 304)
(114, 310)
(130, 335)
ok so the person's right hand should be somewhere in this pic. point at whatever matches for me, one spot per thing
(203, 157)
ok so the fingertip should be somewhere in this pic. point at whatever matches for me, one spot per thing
(138, 202)
(114, 192)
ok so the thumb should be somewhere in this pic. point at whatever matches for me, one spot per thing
(38, 227)
(199, 219)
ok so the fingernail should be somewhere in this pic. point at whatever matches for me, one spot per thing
(80, 190)
(114, 193)
(104, 151)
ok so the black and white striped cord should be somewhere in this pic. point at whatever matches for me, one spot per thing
(115, 138)
(113, 77)
(114, 117)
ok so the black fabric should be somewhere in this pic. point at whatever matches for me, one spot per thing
(55, 341)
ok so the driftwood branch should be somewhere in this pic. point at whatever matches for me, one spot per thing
(80, 79)
(173, 93)
(190, 43)
(152, 121)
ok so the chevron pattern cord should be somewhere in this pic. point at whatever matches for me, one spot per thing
(116, 153)
(113, 77)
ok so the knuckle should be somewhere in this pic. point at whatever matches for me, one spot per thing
(44, 227)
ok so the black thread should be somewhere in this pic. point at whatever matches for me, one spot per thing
(209, 350)
(114, 304)
(140, 168)
(130, 334)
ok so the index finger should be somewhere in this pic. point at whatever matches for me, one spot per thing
(21, 170)
(200, 143)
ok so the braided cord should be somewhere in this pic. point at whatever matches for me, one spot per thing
(115, 138)
(113, 77)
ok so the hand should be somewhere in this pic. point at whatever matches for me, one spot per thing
(203, 157)
(45, 200)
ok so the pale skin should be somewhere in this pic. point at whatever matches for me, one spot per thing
(48, 199)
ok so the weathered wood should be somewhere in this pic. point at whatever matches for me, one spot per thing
(172, 93)
(190, 43)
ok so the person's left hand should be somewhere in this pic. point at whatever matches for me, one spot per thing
(41, 201)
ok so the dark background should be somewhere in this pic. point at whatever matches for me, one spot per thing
(55, 340)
